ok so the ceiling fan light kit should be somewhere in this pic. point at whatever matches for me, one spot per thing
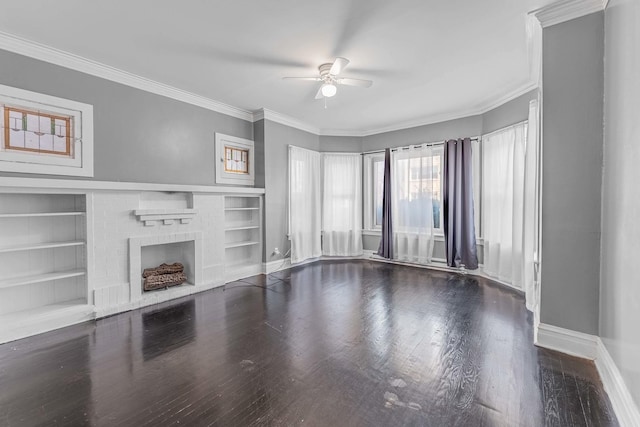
(329, 90)
(329, 77)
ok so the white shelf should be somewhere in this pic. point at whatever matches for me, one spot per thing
(36, 246)
(248, 227)
(242, 209)
(240, 244)
(41, 214)
(39, 278)
(45, 318)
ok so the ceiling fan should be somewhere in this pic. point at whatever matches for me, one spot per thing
(329, 77)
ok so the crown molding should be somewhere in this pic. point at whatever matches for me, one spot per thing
(12, 43)
(482, 108)
(15, 44)
(566, 10)
(283, 119)
(341, 132)
(499, 100)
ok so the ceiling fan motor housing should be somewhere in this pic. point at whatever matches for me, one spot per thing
(324, 72)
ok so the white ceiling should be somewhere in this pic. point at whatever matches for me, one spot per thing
(426, 58)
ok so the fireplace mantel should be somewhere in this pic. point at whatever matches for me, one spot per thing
(151, 217)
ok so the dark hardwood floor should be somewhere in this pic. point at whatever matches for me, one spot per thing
(345, 343)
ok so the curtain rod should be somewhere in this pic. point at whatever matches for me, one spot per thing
(428, 144)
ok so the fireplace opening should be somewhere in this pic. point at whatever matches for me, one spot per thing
(167, 265)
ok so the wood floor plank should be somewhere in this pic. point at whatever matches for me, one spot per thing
(334, 343)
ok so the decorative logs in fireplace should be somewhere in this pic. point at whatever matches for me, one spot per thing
(163, 276)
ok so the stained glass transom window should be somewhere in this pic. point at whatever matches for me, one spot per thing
(236, 160)
(35, 131)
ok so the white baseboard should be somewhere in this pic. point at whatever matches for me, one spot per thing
(440, 265)
(567, 341)
(623, 405)
(283, 264)
(277, 265)
(366, 254)
(242, 272)
(591, 347)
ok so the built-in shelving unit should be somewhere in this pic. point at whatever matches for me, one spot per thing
(35, 246)
(43, 284)
(40, 214)
(243, 240)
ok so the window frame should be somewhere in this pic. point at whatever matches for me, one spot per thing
(223, 174)
(368, 210)
(80, 160)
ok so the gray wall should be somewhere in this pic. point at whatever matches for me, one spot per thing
(573, 55)
(277, 138)
(138, 136)
(509, 113)
(258, 144)
(459, 128)
(341, 144)
(619, 289)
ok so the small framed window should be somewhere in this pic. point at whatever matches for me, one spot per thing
(45, 134)
(37, 132)
(235, 160)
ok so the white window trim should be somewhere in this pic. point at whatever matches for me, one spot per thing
(368, 213)
(81, 164)
(223, 177)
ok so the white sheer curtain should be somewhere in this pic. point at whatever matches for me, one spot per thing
(304, 204)
(342, 204)
(503, 169)
(415, 177)
(530, 235)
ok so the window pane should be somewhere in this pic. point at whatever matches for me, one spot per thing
(37, 132)
(236, 160)
(418, 188)
(435, 189)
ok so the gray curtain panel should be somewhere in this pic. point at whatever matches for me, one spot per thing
(386, 243)
(457, 203)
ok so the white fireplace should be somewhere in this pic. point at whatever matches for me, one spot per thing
(151, 251)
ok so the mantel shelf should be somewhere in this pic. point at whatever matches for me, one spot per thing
(151, 217)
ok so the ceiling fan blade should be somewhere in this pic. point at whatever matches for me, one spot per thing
(310, 79)
(354, 82)
(338, 65)
(319, 94)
